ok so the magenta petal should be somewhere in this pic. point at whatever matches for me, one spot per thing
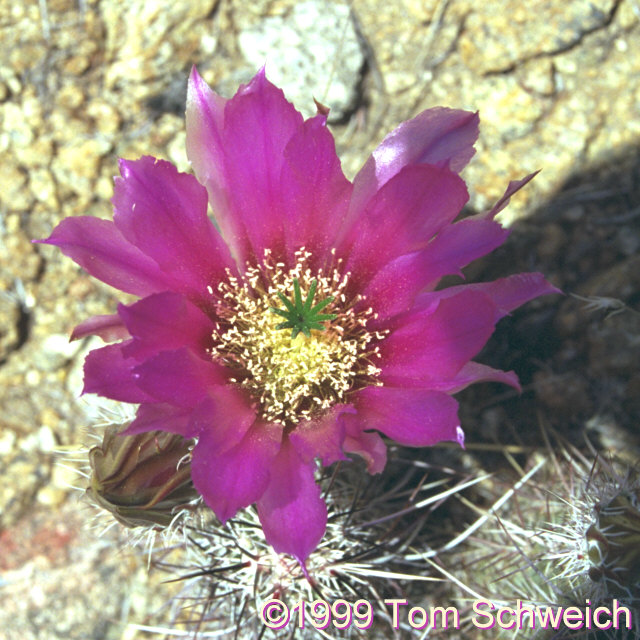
(161, 417)
(506, 293)
(225, 416)
(164, 214)
(459, 244)
(178, 377)
(163, 322)
(241, 164)
(412, 417)
(108, 327)
(108, 373)
(205, 122)
(238, 477)
(403, 216)
(101, 250)
(394, 288)
(439, 136)
(259, 123)
(292, 513)
(473, 372)
(368, 445)
(512, 187)
(434, 344)
(323, 437)
(206, 150)
(315, 192)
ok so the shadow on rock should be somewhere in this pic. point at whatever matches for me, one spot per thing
(576, 355)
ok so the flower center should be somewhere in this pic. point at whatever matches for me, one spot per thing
(300, 367)
(303, 316)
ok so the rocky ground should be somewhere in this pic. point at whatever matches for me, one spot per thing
(84, 83)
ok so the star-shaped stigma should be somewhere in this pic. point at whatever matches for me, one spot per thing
(301, 316)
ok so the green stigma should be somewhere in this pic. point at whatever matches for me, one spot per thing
(301, 316)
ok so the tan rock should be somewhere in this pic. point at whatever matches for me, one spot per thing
(37, 154)
(70, 96)
(77, 65)
(83, 159)
(14, 123)
(43, 186)
(106, 118)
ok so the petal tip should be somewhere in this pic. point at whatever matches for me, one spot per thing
(510, 378)
(322, 110)
(195, 79)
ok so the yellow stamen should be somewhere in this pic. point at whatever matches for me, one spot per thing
(293, 379)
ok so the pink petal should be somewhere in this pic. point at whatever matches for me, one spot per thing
(368, 445)
(238, 477)
(403, 216)
(164, 214)
(161, 417)
(434, 344)
(206, 150)
(323, 437)
(512, 187)
(506, 293)
(439, 136)
(108, 373)
(394, 288)
(164, 322)
(471, 373)
(412, 417)
(315, 192)
(101, 250)
(178, 377)
(224, 416)
(292, 513)
(259, 123)
(244, 180)
(459, 244)
(107, 327)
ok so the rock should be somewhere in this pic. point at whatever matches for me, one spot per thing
(21, 134)
(9, 326)
(77, 164)
(105, 116)
(70, 97)
(43, 186)
(493, 42)
(142, 38)
(23, 474)
(56, 351)
(563, 394)
(537, 76)
(311, 52)
(77, 65)
(37, 154)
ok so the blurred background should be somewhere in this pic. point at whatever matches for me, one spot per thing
(83, 83)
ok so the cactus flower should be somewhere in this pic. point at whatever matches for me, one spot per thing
(306, 321)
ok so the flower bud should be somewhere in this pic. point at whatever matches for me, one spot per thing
(142, 479)
(614, 543)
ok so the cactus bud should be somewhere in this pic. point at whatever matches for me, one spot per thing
(140, 478)
(614, 543)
